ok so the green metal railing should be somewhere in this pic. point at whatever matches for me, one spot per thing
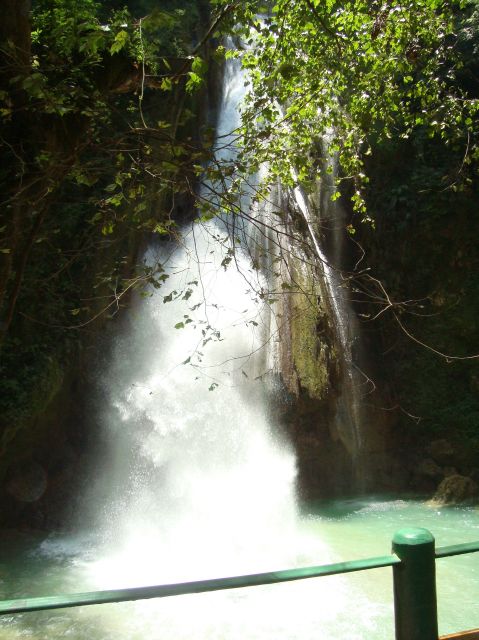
(414, 578)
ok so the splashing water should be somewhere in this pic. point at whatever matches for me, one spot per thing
(196, 467)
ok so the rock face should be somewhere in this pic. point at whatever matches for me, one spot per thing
(454, 490)
(344, 440)
(28, 484)
(441, 451)
(429, 469)
(447, 471)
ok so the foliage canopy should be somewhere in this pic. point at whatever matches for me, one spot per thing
(354, 73)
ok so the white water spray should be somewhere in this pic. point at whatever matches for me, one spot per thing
(197, 468)
(199, 476)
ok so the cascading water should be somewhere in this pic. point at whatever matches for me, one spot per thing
(199, 483)
(196, 467)
(200, 478)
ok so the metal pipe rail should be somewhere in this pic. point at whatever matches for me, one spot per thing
(413, 562)
(200, 586)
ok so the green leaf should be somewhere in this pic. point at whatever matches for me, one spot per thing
(119, 42)
(84, 178)
(193, 82)
(108, 229)
(199, 66)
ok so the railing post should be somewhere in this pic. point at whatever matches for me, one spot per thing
(415, 605)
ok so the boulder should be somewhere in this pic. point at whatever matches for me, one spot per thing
(441, 451)
(429, 469)
(454, 490)
(451, 471)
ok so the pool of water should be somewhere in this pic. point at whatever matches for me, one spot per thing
(355, 606)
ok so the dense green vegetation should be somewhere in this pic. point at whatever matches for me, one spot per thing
(99, 133)
(359, 73)
(423, 250)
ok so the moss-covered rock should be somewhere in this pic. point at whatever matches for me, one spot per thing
(455, 489)
(311, 355)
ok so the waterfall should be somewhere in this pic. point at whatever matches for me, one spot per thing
(196, 463)
(197, 480)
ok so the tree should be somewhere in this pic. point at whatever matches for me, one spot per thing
(98, 118)
(356, 73)
(75, 109)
